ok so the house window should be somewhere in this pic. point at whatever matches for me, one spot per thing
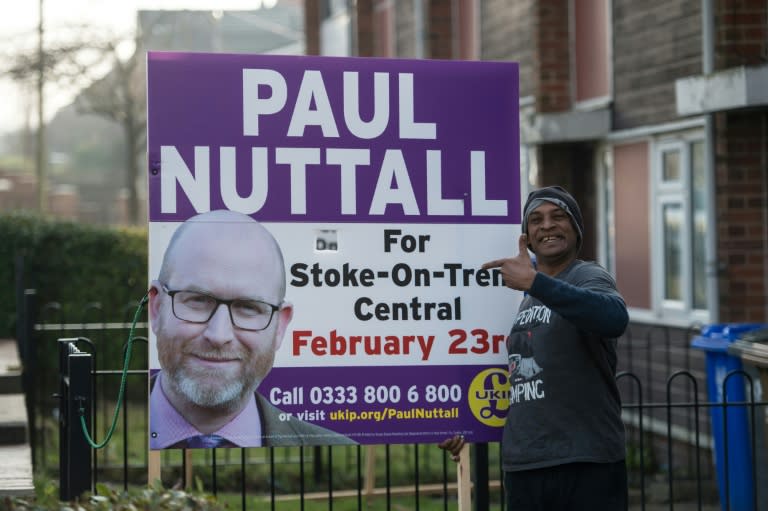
(591, 61)
(679, 205)
(699, 234)
(670, 166)
(672, 244)
(655, 226)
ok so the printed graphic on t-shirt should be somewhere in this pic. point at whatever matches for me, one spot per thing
(523, 384)
(525, 374)
(535, 314)
(523, 367)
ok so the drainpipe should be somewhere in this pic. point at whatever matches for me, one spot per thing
(707, 68)
(707, 37)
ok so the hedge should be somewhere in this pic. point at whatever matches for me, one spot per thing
(83, 268)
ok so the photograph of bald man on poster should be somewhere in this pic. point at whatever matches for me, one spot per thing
(218, 313)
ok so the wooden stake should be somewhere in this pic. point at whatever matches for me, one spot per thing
(369, 480)
(153, 467)
(464, 480)
(188, 465)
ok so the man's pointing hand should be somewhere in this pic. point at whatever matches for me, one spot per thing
(518, 272)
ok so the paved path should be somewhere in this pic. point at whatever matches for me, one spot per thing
(15, 453)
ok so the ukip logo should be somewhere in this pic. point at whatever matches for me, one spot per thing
(489, 396)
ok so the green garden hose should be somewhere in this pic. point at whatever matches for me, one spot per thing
(121, 394)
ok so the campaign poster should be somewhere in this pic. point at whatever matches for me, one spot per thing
(386, 183)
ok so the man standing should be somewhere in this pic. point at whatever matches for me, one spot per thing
(563, 440)
(219, 314)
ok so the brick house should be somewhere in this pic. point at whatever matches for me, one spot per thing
(654, 114)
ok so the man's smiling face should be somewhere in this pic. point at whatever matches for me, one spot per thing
(551, 234)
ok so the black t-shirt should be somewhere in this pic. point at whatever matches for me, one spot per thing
(564, 402)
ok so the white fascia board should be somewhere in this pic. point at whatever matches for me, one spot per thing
(739, 87)
(571, 126)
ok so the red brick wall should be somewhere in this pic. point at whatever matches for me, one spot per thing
(741, 170)
(741, 33)
(441, 44)
(448, 36)
(551, 69)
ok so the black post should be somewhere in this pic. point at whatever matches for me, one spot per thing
(18, 265)
(74, 450)
(317, 464)
(482, 493)
(63, 395)
(25, 331)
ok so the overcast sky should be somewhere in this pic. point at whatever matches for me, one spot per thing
(20, 18)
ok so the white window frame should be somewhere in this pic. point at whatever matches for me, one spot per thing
(663, 193)
(677, 305)
(683, 135)
(606, 206)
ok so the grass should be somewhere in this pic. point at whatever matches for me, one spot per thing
(377, 503)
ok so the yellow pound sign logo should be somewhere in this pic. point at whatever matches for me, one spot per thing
(489, 397)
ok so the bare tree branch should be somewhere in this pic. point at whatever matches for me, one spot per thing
(84, 58)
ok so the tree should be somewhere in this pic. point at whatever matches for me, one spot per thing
(120, 96)
(87, 59)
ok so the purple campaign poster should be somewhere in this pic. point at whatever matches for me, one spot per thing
(386, 184)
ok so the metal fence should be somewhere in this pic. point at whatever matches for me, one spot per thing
(672, 441)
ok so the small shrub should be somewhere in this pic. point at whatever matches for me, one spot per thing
(154, 497)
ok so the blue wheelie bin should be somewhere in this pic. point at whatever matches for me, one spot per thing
(730, 424)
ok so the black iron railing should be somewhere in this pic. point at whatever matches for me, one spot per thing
(671, 446)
